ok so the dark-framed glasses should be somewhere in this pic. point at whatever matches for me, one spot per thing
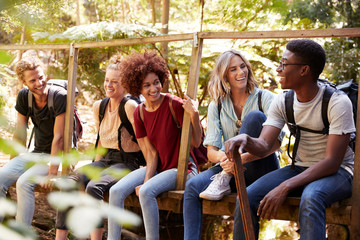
(282, 64)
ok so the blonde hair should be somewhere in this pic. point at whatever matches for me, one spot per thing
(114, 62)
(218, 87)
(29, 63)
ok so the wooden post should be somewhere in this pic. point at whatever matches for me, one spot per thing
(355, 209)
(70, 100)
(243, 197)
(186, 127)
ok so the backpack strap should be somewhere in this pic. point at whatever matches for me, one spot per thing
(178, 125)
(102, 108)
(295, 129)
(141, 113)
(219, 106)
(30, 109)
(324, 107)
(259, 100)
(125, 121)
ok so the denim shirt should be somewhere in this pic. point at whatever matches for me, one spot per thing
(216, 135)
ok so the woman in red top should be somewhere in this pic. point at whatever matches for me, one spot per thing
(158, 137)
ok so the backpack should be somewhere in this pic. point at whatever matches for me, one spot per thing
(53, 84)
(122, 114)
(199, 154)
(349, 88)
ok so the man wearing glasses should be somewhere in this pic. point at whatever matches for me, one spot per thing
(323, 169)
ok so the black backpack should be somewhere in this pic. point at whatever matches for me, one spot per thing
(349, 88)
(53, 84)
(122, 114)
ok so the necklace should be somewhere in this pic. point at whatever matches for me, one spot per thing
(238, 123)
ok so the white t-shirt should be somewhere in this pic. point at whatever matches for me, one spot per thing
(312, 146)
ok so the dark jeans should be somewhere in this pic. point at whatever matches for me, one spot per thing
(315, 198)
(192, 208)
(97, 188)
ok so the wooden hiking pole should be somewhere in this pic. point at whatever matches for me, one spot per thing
(243, 197)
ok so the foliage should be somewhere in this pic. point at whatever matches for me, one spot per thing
(35, 15)
(92, 61)
(342, 53)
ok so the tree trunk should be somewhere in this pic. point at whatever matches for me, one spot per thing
(153, 11)
(165, 30)
(123, 10)
(202, 3)
(78, 13)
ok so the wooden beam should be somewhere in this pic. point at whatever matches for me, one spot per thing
(136, 41)
(56, 46)
(243, 197)
(186, 127)
(70, 100)
(355, 211)
(311, 33)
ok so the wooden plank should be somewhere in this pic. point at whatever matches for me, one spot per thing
(355, 211)
(225, 206)
(70, 100)
(136, 41)
(337, 213)
(186, 127)
(55, 46)
(311, 33)
(242, 196)
(164, 202)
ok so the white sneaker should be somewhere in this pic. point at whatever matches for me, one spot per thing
(217, 188)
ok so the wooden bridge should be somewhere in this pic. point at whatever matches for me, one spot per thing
(346, 212)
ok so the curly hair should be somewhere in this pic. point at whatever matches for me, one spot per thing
(29, 63)
(310, 52)
(218, 86)
(136, 66)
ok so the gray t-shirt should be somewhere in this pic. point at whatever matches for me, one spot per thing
(42, 119)
(312, 146)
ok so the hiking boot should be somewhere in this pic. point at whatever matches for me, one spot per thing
(218, 187)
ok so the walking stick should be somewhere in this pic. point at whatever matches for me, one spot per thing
(243, 197)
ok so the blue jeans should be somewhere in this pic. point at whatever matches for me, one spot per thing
(160, 182)
(16, 171)
(192, 208)
(315, 198)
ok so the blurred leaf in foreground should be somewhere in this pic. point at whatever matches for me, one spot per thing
(86, 213)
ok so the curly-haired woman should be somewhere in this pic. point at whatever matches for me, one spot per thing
(158, 137)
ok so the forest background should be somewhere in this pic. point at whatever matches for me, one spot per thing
(66, 21)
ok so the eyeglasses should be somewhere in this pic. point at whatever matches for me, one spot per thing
(282, 64)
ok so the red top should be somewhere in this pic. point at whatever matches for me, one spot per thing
(160, 127)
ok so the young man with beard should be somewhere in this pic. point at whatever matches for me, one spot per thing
(49, 136)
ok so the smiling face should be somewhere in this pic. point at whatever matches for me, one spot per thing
(112, 84)
(151, 88)
(290, 77)
(35, 80)
(237, 73)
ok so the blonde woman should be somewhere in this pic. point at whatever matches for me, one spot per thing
(234, 109)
